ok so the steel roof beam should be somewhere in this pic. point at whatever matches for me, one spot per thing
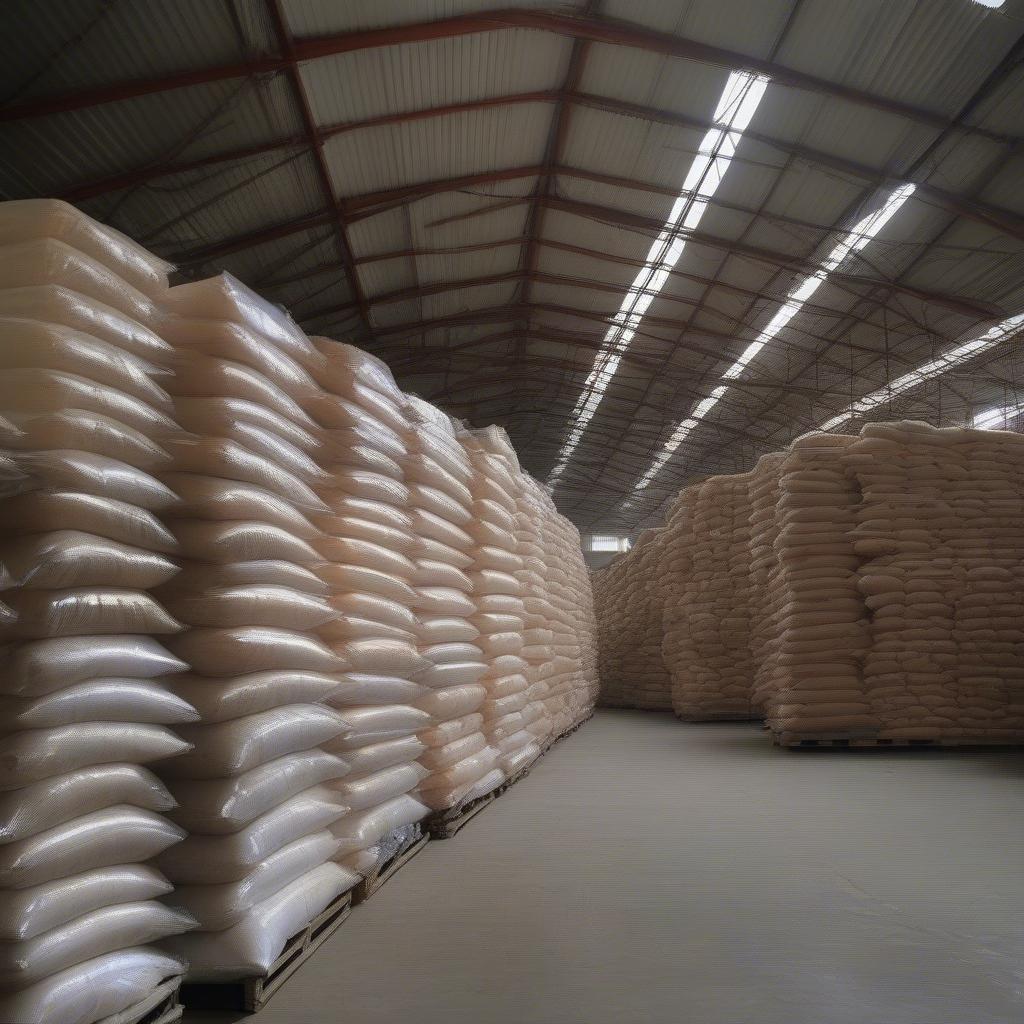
(593, 29)
(287, 46)
(1000, 219)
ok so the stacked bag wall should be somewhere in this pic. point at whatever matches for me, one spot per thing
(940, 550)
(462, 764)
(88, 699)
(714, 680)
(369, 547)
(630, 598)
(500, 575)
(256, 794)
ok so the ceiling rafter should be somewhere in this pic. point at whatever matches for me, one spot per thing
(1000, 219)
(594, 29)
(287, 46)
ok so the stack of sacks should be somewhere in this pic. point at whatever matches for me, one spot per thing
(677, 649)
(940, 543)
(565, 604)
(497, 569)
(630, 628)
(463, 765)
(609, 587)
(254, 793)
(764, 575)
(368, 547)
(537, 611)
(817, 687)
(718, 684)
(84, 703)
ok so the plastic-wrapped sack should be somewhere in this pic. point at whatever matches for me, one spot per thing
(379, 609)
(383, 657)
(87, 431)
(454, 729)
(230, 652)
(47, 261)
(42, 805)
(69, 558)
(210, 497)
(26, 913)
(446, 630)
(453, 701)
(100, 931)
(359, 579)
(438, 601)
(41, 391)
(55, 304)
(218, 700)
(221, 416)
(247, 606)
(250, 947)
(220, 457)
(225, 542)
(232, 341)
(42, 666)
(376, 724)
(97, 700)
(358, 689)
(199, 376)
(238, 745)
(258, 572)
(208, 860)
(29, 344)
(94, 514)
(87, 473)
(362, 791)
(117, 835)
(365, 828)
(93, 611)
(385, 753)
(40, 753)
(220, 806)
(438, 758)
(92, 990)
(217, 907)
(26, 220)
(224, 297)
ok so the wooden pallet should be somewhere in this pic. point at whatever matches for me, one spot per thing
(796, 742)
(720, 716)
(445, 824)
(373, 881)
(252, 994)
(161, 1006)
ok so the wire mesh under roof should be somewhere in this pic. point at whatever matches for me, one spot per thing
(473, 191)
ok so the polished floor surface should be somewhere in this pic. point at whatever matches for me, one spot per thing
(651, 872)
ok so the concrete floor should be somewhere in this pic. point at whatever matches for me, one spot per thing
(650, 872)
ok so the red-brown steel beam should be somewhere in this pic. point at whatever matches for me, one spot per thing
(151, 171)
(287, 46)
(998, 218)
(598, 30)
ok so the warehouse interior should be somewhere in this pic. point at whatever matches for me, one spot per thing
(606, 411)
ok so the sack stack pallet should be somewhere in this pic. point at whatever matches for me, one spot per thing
(161, 1006)
(88, 700)
(712, 670)
(885, 590)
(629, 599)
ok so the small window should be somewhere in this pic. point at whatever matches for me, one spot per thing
(605, 543)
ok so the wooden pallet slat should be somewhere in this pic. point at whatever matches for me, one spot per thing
(161, 1006)
(376, 879)
(252, 994)
(795, 741)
